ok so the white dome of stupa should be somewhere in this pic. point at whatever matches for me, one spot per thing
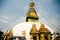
(26, 26)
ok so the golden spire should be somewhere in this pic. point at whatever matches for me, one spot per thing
(43, 29)
(33, 29)
(32, 13)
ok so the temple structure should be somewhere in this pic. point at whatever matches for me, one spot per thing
(32, 29)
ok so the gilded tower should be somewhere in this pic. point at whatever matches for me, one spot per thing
(44, 33)
(31, 14)
(41, 34)
(34, 33)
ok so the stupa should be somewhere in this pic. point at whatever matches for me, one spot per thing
(32, 29)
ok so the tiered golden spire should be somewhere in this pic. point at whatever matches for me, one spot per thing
(32, 12)
(33, 30)
(43, 29)
(41, 34)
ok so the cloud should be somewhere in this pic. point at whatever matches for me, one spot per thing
(5, 17)
(2, 20)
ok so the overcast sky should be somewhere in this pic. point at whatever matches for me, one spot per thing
(13, 12)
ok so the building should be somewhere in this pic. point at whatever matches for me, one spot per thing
(32, 29)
